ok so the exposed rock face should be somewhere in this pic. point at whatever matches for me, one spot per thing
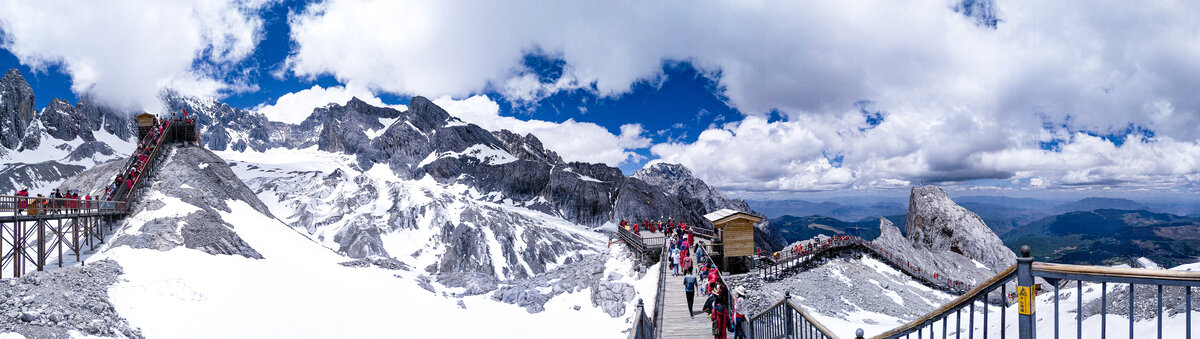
(62, 121)
(464, 239)
(950, 264)
(696, 195)
(938, 224)
(16, 108)
(30, 175)
(183, 206)
(609, 293)
(53, 303)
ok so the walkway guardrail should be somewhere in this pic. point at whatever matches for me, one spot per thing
(1058, 276)
(793, 257)
(33, 229)
(643, 326)
(786, 320)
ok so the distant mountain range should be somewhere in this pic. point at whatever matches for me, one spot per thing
(1114, 231)
(1001, 214)
(1110, 236)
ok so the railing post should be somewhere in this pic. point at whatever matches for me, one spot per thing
(788, 324)
(1025, 295)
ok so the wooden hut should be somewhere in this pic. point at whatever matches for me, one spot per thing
(734, 233)
(145, 122)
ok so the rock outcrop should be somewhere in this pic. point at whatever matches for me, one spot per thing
(16, 108)
(696, 195)
(182, 205)
(52, 304)
(938, 224)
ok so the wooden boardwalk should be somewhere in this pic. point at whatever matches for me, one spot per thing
(676, 322)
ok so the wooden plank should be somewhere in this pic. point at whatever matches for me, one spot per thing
(739, 240)
(677, 323)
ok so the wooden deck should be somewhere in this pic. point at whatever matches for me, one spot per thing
(676, 322)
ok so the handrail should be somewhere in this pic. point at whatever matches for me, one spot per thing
(660, 296)
(1166, 277)
(150, 160)
(793, 255)
(788, 328)
(825, 331)
(12, 203)
(970, 297)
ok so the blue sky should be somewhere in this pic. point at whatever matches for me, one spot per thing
(675, 106)
(771, 99)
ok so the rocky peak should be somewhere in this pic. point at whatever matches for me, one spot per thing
(937, 223)
(527, 147)
(63, 121)
(16, 108)
(664, 172)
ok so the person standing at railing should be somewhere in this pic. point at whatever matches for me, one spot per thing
(22, 200)
(34, 205)
(739, 313)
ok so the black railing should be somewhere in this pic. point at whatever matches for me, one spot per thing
(643, 326)
(1056, 275)
(790, 258)
(786, 320)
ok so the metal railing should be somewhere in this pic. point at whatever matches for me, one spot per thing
(1024, 273)
(32, 230)
(126, 191)
(643, 326)
(1154, 280)
(640, 244)
(792, 257)
(785, 320)
(15, 207)
(980, 294)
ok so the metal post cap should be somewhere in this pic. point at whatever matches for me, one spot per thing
(1024, 251)
(858, 333)
(639, 302)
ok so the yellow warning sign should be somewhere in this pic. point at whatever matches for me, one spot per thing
(1024, 300)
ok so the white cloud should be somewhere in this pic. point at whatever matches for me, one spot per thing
(296, 106)
(573, 140)
(963, 102)
(755, 155)
(125, 52)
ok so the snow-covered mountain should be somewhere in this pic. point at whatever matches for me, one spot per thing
(202, 256)
(437, 209)
(39, 149)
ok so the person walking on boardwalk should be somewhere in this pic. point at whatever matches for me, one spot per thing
(719, 315)
(675, 262)
(685, 262)
(689, 289)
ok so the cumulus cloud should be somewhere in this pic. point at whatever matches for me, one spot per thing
(296, 106)
(964, 101)
(573, 140)
(126, 52)
(825, 153)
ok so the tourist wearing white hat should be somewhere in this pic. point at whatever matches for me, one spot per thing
(739, 313)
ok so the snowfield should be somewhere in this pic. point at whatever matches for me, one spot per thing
(299, 290)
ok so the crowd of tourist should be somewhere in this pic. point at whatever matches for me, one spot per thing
(54, 202)
(125, 180)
